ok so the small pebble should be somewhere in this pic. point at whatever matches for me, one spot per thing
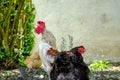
(41, 76)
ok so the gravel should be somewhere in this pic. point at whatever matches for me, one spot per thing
(39, 74)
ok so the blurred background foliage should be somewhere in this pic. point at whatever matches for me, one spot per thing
(16, 32)
(100, 65)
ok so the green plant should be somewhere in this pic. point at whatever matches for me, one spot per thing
(70, 41)
(16, 31)
(7, 74)
(65, 45)
(100, 65)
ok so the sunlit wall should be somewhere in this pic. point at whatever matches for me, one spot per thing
(92, 23)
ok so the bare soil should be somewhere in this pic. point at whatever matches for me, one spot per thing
(23, 73)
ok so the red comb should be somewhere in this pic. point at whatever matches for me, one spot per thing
(41, 23)
(81, 49)
(40, 28)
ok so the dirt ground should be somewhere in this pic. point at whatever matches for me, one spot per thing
(22, 73)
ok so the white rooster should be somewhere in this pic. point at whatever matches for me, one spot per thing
(44, 50)
(47, 55)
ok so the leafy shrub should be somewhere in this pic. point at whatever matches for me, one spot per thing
(16, 32)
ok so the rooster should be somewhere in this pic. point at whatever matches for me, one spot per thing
(47, 55)
(69, 65)
(34, 60)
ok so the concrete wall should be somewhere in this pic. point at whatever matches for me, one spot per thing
(92, 23)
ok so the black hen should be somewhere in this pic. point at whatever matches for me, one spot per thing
(69, 65)
(79, 64)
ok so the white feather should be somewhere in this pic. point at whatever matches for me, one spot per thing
(46, 59)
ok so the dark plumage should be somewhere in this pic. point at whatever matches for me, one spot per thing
(69, 65)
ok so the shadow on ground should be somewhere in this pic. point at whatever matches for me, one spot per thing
(39, 74)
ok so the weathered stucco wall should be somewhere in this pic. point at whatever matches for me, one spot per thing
(92, 23)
